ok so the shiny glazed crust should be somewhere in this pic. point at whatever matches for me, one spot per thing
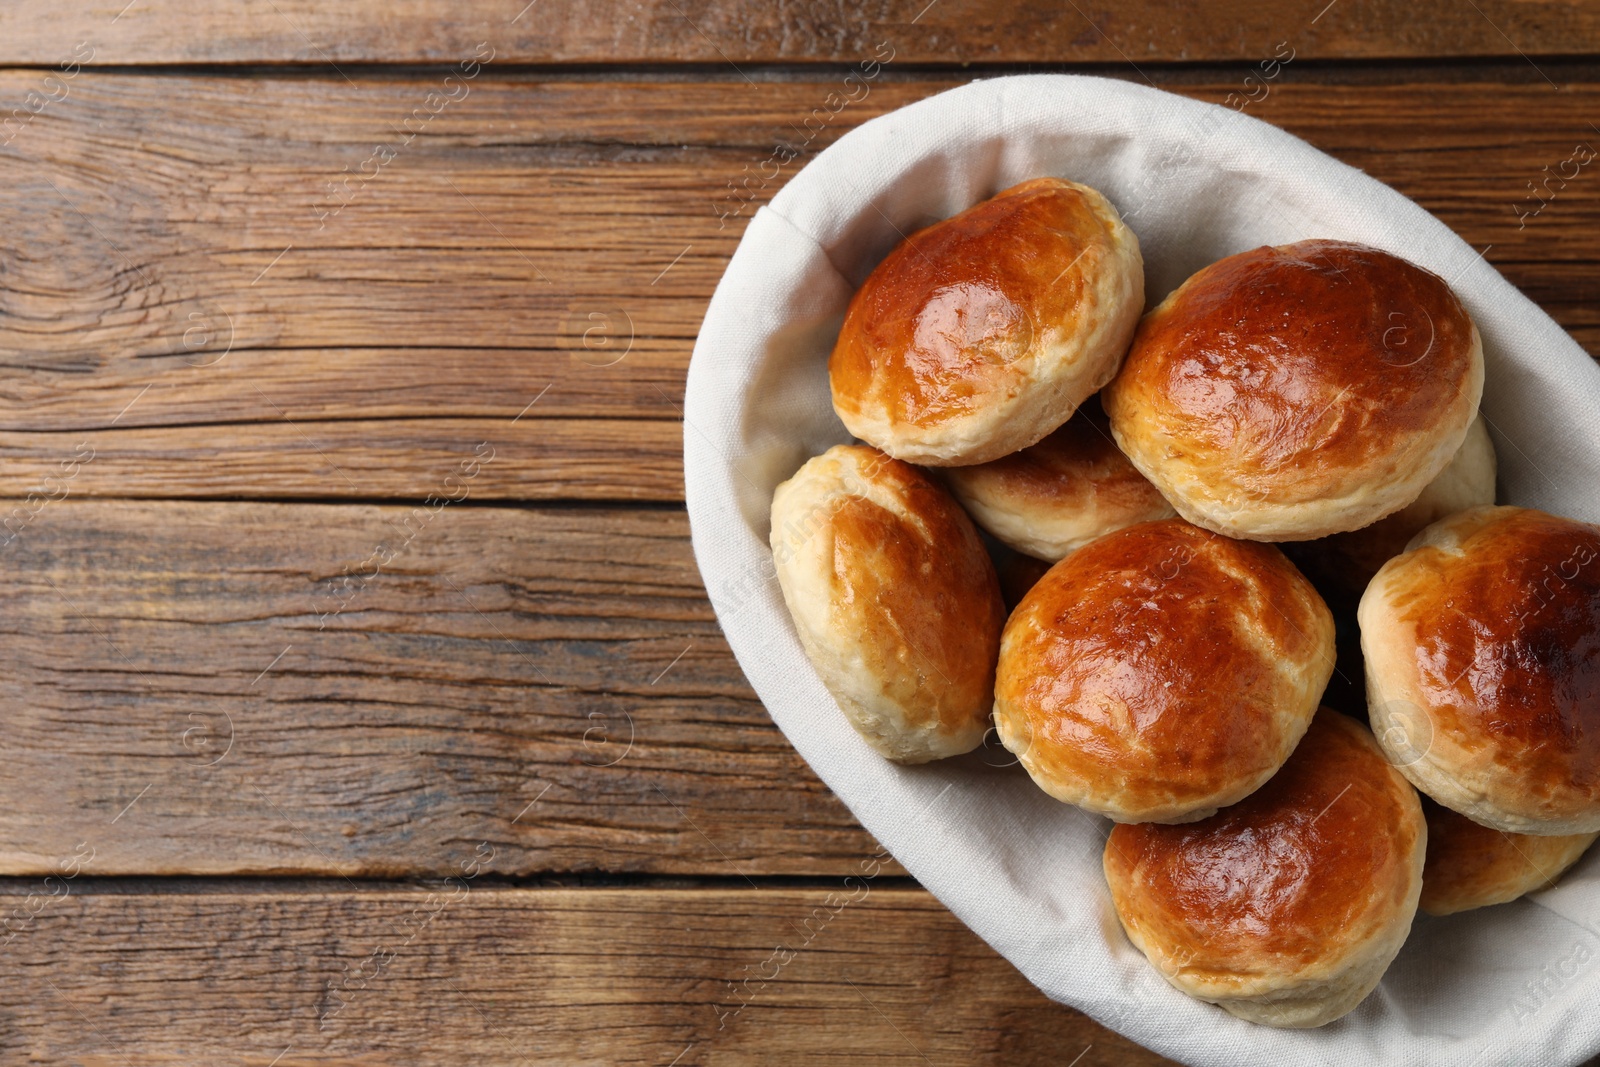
(1482, 645)
(1162, 672)
(894, 599)
(979, 335)
(1289, 393)
(1286, 908)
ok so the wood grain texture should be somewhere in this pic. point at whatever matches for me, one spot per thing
(337, 283)
(211, 287)
(169, 295)
(483, 975)
(409, 459)
(727, 32)
(350, 690)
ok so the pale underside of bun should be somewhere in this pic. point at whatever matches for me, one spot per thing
(1061, 373)
(1251, 514)
(1313, 1002)
(1436, 764)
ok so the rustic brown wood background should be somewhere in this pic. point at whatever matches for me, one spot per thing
(344, 549)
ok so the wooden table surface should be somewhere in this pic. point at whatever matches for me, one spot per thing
(363, 702)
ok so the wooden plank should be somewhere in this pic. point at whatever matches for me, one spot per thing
(563, 459)
(473, 973)
(560, 234)
(351, 690)
(737, 32)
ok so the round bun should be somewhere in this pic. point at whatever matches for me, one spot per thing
(1294, 392)
(1056, 496)
(1287, 908)
(980, 334)
(1482, 645)
(894, 599)
(1162, 672)
(1342, 565)
(1471, 866)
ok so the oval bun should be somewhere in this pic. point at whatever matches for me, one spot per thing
(1286, 908)
(1482, 645)
(977, 336)
(1054, 497)
(1289, 393)
(1162, 672)
(894, 599)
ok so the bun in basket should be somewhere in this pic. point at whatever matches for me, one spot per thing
(980, 334)
(1294, 392)
(1286, 908)
(1482, 645)
(1058, 495)
(894, 599)
(1471, 866)
(1162, 672)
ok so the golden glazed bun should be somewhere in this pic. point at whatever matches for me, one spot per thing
(1342, 565)
(1286, 908)
(1289, 393)
(1483, 667)
(1162, 672)
(1471, 866)
(1058, 495)
(980, 334)
(894, 599)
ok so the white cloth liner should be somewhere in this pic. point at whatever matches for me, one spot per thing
(1508, 985)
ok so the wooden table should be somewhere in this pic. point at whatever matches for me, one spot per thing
(363, 702)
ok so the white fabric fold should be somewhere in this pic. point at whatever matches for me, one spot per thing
(1513, 984)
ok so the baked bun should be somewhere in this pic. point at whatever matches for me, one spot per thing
(1294, 392)
(1342, 565)
(894, 599)
(1162, 672)
(1471, 866)
(1286, 908)
(1482, 645)
(980, 334)
(1058, 495)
